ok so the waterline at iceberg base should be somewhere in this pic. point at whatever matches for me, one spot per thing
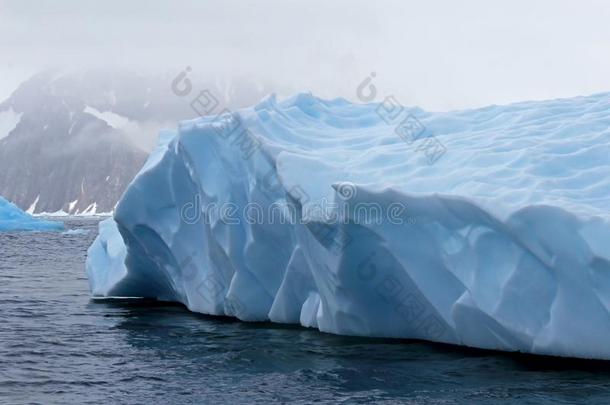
(501, 240)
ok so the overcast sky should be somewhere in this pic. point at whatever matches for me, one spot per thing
(437, 54)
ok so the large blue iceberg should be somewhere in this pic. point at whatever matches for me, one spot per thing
(487, 228)
(13, 218)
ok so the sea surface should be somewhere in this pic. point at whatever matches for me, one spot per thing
(58, 346)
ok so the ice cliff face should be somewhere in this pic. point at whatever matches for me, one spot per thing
(487, 228)
(13, 219)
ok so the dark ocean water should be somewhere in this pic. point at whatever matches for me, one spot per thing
(58, 346)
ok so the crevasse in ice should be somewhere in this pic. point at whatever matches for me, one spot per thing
(487, 227)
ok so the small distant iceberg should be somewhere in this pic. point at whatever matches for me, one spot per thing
(14, 219)
(72, 232)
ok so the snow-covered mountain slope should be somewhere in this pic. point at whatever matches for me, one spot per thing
(76, 139)
(14, 219)
(8, 121)
(487, 228)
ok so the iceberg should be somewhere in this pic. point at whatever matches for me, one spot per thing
(487, 228)
(13, 218)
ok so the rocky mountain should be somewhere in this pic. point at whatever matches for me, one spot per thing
(72, 141)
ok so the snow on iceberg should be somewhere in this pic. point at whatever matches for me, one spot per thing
(487, 228)
(14, 219)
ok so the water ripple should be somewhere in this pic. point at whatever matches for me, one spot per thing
(57, 346)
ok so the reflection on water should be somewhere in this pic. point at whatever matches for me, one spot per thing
(57, 346)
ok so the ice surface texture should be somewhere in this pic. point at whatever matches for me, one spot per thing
(487, 228)
(14, 219)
